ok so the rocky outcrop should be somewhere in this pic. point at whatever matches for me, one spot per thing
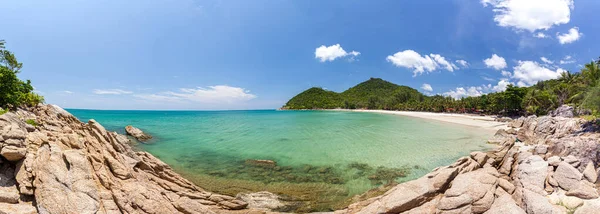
(563, 111)
(66, 166)
(542, 165)
(137, 133)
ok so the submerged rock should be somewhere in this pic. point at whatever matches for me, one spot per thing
(137, 133)
(261, 163)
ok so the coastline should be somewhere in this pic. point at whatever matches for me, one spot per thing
(483, 122)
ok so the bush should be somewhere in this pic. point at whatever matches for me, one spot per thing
(31, 122)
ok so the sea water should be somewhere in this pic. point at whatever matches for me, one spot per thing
(321, 159)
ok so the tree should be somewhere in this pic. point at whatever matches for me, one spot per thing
(13, 91)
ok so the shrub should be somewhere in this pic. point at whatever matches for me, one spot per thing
(31, 122)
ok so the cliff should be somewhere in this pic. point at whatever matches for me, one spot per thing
(61, 165)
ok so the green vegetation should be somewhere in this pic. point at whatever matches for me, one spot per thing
(581, 90)
(13, 91)
(31, 122)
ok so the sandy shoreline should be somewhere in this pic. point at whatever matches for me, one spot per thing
(484, 122)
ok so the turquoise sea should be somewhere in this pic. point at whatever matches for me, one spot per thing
(323, 158)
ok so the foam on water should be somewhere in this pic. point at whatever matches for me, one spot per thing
(323, 158)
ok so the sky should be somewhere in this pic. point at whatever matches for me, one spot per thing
(207, 55)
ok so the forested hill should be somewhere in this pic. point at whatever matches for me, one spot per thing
(580, 90)
(374, 93)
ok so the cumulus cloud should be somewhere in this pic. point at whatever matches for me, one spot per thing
(420, 63)
(570, 37)
(111, 92)
(211, 94)
(475, 91)
(463, 63)
(333, 52)
(530, 15)
(461, 92)
(546, 60)
(540, 35)
(427, 87)
(495, 62)
(506, 74)
(530, 72)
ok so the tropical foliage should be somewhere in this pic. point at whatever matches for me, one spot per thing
(579, 89)
(13, 91)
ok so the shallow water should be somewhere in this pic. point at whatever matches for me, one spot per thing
(322, 157)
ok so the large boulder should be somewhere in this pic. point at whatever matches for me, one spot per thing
(474, 189)
(137, 133)
(563, 111)
(567, 176)
(532, 173)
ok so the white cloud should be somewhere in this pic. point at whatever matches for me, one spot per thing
(488, 79)
(530, 15)
(501, 86)
(461, 92)
(420, 64)
(495, 62)
(546, 60)
(333, 52)
(68, 92)
(211, 94)
(475, 91)
(427, 87)
(567, 60)
(463, 63)
(111, 92)
(540, 35)
(529, 73)
(506, 74)
(570, 37)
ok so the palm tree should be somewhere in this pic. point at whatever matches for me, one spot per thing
(591, 73)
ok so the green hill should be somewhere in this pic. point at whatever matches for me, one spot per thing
(374, 93)
(315, 98)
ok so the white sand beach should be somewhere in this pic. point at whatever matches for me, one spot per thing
(484, 122)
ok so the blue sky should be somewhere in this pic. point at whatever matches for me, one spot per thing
(192, 54)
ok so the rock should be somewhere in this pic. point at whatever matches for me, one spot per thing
(56, 170)
(563, 111)
(189, 206)
(403, 197)
(532, 173)
(590, 173)
(571, 202)
(8, 185)
(554, 160)
(13, 153)
(17, 209)
(518, 123)
(572, 160)
(261, 163)
(504, 204)
(137, 133)
(262, 200)
(480, 157)
(584, 190)
(506, 185)
(567, 176)
(536, 203)
(591, 206)
(541, 149)
(475, 189)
